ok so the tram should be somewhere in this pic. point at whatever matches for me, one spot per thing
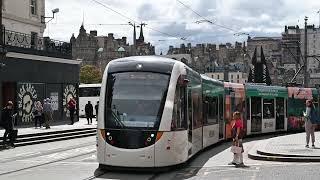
(157, 112)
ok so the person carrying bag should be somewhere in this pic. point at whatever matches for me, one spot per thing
(237, 135)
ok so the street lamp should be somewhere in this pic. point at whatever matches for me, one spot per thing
(43, 18)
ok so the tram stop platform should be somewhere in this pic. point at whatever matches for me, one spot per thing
(288, 148)
(57, 132)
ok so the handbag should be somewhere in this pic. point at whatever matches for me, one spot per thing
(235, 148)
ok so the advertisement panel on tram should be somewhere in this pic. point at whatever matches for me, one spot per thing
(296, 105)
(234, 101)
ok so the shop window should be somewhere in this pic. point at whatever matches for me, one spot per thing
(268, 108)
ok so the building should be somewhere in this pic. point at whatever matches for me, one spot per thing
(233, 76)
(35, 67)
(313, 47)
(99, 50)
(24, 16)
(206, 57)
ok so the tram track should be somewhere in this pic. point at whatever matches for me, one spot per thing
(43, 153)
(50, 162)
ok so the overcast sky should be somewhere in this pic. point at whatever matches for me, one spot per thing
(255, 17)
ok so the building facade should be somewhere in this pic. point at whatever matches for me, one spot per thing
(208, 57)
(233, 76)
(35, 67)
(100, 50)
(24, 16)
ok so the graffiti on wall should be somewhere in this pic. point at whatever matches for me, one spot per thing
(68, 93)
(26, 97)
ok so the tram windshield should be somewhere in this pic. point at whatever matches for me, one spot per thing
(135, 99)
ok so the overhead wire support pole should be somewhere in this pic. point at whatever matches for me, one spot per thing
(305, 53)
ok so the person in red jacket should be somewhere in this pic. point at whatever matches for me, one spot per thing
(72, 108)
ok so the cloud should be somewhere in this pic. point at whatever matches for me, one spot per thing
(258, 18)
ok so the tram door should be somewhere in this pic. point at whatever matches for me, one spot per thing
(189, 100)
(280, 114)
(256, 114)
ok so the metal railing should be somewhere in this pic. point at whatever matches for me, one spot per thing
(28, 41)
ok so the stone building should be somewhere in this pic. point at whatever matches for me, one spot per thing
(34, 67)
(24, 16)
(99, 50)
(207, 57)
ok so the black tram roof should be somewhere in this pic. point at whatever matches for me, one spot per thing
(142, 63)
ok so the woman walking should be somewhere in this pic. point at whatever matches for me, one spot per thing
(37, 112)
(309, 125)
(237, 135)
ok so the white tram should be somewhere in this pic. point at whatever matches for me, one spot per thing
(151, 113)
(157, 112)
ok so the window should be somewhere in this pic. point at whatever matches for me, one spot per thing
(34, 36)
(212, 110)
(33, 7)
(231, 76)
(218, 77)
(212, 76)
(179, 118)
(89, 91)
(268, 108)
(237, 76)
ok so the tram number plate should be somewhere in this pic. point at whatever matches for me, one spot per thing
(211, 133)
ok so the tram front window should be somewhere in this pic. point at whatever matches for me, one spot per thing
(135, 100)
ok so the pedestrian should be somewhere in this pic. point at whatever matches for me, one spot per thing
(237, 135)
(37, 112)
(72, 108)
(8, 117)
(96, 107)
(89, 112)
(310, 122)
(47, 110)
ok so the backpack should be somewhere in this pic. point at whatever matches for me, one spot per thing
(314, 118)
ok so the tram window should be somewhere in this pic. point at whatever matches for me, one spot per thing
(256, 106)
(268, 108)
(179, 120)
(212, 110)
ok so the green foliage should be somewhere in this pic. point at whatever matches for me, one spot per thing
(90, 74)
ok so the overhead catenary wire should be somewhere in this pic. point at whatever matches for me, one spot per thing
(134, 21)
(209, 21)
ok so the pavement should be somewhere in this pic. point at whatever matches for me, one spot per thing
(288, 148)
(81, 124)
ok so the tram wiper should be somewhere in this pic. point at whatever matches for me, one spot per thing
(116, 117)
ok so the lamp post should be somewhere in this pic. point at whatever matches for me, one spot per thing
(43, 18)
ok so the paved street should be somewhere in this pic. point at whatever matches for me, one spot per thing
(76, 159)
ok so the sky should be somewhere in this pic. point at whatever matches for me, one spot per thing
(169, 22)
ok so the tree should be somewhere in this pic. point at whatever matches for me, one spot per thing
(90, 74)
